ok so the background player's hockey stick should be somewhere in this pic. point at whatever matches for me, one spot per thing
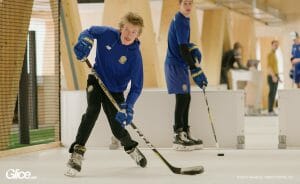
(211, 122)
(186, 171)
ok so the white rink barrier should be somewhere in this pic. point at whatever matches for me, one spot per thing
(289, 118)
(154, 116)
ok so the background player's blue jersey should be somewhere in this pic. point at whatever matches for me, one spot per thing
(176, 69)
(117, 64)
(296, 51)
(296, 54)
(179, 33)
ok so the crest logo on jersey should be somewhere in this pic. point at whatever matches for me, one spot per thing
(123, 59)
(184, 87)
(108, 47)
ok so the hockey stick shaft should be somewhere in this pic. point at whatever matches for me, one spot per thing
(210, 118)
(189, 170)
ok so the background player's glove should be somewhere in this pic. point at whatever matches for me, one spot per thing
(199, 77)
(83, 47)
(291, 73)
(125, 116)
(194, 50)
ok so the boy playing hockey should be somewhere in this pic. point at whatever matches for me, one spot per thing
(118, 61)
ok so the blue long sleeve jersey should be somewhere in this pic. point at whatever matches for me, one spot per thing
(296, 54)
(179, 33)
(296, 51)
(117, 64)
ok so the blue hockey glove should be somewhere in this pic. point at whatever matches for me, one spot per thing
(121, 115)
(83, 47)
(194, 50)
(199, 77)
(125, 116)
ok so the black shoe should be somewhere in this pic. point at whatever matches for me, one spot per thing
(137, 156)
(198, 143)
(272, 113)
(76, 157)
(181, 142)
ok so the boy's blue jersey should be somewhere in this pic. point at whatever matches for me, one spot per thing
(117, 64)
(179, 33)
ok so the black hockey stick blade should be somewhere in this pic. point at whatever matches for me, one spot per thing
(188, 170)
(176, 170)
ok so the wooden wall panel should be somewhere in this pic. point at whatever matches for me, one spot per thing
(212, 43)
(75, 72)
(242, 29)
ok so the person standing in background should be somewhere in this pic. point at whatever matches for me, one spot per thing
(232, 59)
(179, 61)
(296, 58)
(273, 77)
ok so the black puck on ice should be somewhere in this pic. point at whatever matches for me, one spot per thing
(220, 154)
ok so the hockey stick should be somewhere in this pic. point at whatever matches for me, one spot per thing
(211, 123)
(176, 170)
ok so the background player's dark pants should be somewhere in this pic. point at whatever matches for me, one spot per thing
(272, 92)
(182, 111)
(95, 98)
(223, 76)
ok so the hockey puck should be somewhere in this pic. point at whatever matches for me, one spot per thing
(220, 154)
